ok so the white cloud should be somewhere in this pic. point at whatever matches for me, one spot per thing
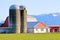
(31, 19)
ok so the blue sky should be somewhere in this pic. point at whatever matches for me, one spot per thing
(34, 7)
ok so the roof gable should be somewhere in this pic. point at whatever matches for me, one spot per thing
(40, 25)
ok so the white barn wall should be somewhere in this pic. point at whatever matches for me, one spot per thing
(45, 30)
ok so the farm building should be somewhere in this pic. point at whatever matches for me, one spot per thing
(4, 27)
(37, 27)
(41, 28)
(54, 28)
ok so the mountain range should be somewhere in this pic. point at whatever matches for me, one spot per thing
(49, 19)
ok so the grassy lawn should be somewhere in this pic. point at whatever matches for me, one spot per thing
(44, 36)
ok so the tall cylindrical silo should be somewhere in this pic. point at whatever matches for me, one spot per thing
(14, 16)
(23, 16)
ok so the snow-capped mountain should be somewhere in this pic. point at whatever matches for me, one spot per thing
(50, 19)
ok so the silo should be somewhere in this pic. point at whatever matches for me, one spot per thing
(23, 16)
(14, 16)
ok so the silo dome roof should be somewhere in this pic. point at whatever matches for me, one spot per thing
(22, 7)
(14, 7)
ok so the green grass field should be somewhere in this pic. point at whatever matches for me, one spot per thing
(44, 36)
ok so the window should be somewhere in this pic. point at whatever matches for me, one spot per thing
(36, 29)
(42, 29)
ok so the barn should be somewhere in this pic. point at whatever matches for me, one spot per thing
(54, 28)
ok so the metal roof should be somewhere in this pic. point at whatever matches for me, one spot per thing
(14, 7)
(31, 24)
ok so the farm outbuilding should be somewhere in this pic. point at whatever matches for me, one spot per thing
(41, 28)
(54, 28)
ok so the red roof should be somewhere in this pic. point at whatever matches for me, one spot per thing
(5, 24)
(40, 25)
